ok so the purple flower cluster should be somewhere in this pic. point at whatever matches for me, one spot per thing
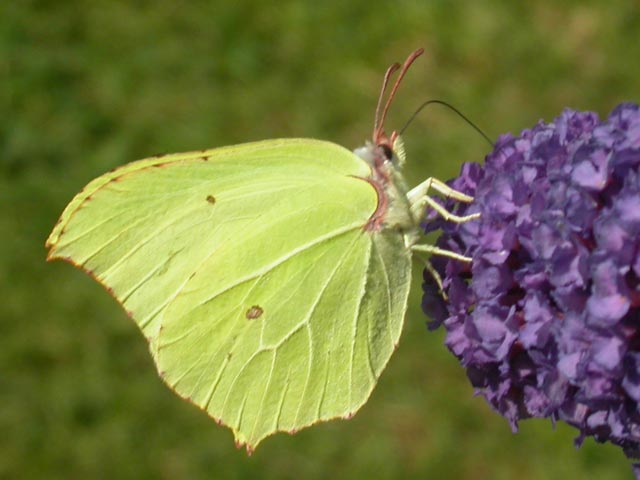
(546, 318)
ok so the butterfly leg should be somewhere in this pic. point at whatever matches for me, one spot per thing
(439, 186)
(433, 250)
(436, 277)
(419, 198)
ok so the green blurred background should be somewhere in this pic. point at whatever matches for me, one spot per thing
(89, 85)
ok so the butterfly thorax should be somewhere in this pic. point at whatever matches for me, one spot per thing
(393, 210)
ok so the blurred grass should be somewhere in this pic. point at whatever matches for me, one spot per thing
(87, 86)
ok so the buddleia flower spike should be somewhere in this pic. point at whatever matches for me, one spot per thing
(546, 319)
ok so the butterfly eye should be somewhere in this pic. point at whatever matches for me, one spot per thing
(386, 149)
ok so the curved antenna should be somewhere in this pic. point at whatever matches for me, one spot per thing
(387, 76)
(407, 63)
(451, 107)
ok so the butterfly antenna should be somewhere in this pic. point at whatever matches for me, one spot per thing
(407, 63)
(450, 107)
(387, 76)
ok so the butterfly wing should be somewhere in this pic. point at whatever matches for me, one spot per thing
(264, 299)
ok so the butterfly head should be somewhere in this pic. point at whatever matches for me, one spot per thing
(383, 155)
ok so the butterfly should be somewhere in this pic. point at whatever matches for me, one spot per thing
(270, 278)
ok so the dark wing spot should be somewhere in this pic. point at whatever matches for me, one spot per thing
(254, 312)
(211, 199)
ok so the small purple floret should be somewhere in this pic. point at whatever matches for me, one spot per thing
(546, 319)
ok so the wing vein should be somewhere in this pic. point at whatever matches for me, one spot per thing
(279, 261)
(282, 398)
(356, 321)
(387, 292)
(264, 394)
(309, 315)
